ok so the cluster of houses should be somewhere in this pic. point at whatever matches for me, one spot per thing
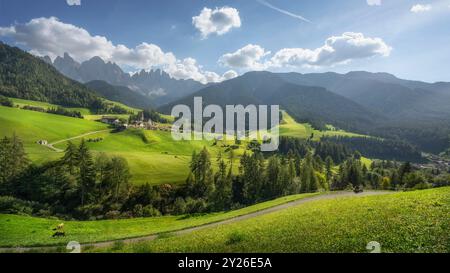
(140, 123)
(435, 162)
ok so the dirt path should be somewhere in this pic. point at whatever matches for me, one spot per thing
(52, 147)
(215, 224)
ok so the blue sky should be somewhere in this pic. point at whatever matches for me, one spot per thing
(409, 38)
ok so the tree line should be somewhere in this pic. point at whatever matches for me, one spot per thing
(83, 186)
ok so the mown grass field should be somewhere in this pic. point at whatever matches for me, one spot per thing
(401, 222)
(30, 231)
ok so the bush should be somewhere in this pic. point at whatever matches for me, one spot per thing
(179, 206)
(385, 183)
(150, 211)
(113, 214)
(138, 210)
(4, 101)
(12, 205)
(422, 186)
(195, 205)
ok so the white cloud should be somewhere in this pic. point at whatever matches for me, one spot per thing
(336, 50)
(218, 21)
(374, 2)
(230, 74)
(420, 8)
(248, 57)
(50, 36)
(73, 2)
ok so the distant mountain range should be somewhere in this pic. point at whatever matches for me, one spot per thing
(306, 103)
(377, 104)
(370, 103)
(384, 93)
(156, 85)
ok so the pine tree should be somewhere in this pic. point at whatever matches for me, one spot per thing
(70, 157)
(329, 169)
(13, 159)
(118, 175)
(222, 194)
(87, 172)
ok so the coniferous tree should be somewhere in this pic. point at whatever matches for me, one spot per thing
(70, 158)
(329, 169)
(87, 172)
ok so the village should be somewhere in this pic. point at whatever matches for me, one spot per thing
(140, 122)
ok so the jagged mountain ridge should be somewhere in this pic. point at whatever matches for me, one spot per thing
(155, 84)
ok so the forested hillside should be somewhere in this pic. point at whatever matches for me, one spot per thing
(25, 76)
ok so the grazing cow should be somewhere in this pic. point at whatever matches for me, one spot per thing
(59, 234)
(59, 231)
(59, 227)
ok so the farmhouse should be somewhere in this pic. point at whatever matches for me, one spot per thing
(42, 142)
(110, 120)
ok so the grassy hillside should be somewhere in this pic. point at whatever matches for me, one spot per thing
(29, 231)
(23, 75)
(84, 111)
(289, 127)
(33, 126)
(154, 157)
(401, 222)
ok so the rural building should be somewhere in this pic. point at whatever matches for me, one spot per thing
(110, 120)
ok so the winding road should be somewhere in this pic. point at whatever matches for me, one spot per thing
(152, 237)
(52, 147)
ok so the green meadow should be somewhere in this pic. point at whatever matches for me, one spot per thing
(289, 127)
(406, 222)
(153, 156)
(31, 231)
(33, 126)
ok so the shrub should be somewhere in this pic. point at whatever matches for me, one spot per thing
(4, 101)
(138, 210)
(12, 205)
(385, 183)
(113, 214)
(195, 205)
(179, 206)
(150, 211)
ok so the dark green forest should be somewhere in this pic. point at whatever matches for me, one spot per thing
(81, 186)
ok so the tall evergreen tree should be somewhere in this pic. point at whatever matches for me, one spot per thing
(87, 175)
(70, 158)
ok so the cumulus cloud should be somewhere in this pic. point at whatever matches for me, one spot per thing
(50, 36)
(336, 50)
(248, 57)
(374, 2)
(230, 74)
(73, 2)
(420, 8)
(218, 21)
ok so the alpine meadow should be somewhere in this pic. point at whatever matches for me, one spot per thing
(144, 126)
